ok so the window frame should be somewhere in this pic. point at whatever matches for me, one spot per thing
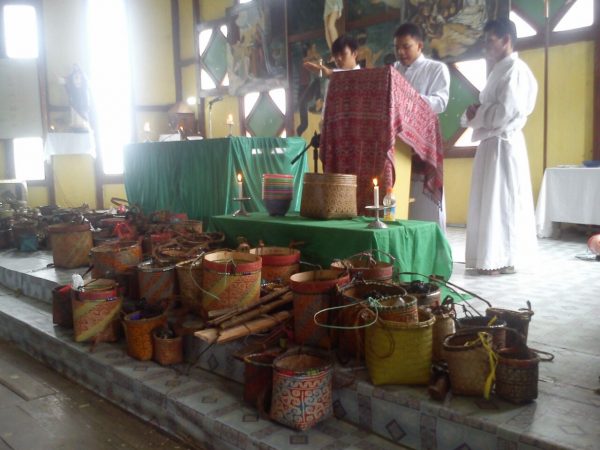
(10, 169)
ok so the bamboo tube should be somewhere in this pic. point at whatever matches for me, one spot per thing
(254, 326)
(261, 309)
(231, 312)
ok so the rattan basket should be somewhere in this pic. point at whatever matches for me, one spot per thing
(328, 196)
(400, 353)
(468, 362)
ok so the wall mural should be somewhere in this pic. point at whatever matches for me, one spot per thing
(257, 54)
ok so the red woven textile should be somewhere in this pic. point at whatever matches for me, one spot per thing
(366, 110)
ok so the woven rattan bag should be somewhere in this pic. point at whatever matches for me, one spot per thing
(400, 353)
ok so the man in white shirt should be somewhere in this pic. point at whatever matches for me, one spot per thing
(500, 221)
(431, 79)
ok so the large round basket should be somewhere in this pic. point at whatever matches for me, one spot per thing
(328, 196)
(278, 263)
(230, 279)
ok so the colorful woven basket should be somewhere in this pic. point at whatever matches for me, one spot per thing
(95, 307)
(277, 193)
(313, 292)
(302, 390)
(157, 283)
(400, 353)
(278, 263)
(138, 331)
(230, 279)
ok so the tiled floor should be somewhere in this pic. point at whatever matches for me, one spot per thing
(564, 292)
(40, 409)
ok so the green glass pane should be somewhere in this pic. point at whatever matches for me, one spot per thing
(534, 9)
(461, 96)
(215, 58)
(266, 119)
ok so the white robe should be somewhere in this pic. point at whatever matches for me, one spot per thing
(501, 221)
(431, 79)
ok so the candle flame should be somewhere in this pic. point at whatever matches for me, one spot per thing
(374, 181)
(239, 177)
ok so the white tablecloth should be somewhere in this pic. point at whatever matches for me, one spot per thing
(569, 195)
(70, 144)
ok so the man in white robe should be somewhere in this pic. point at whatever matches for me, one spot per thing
(431, 79)
(500, 221)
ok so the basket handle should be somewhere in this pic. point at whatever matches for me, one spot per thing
(339, 327)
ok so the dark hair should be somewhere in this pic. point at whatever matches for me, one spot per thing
(502, 27)
(343, 41)
(409, 29)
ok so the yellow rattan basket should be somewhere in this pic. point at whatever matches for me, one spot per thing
(400, 353)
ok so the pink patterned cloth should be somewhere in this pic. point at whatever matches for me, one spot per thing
(366, 110)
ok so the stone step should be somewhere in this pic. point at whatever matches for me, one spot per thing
(203, 402)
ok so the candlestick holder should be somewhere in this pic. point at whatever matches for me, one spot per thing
(242, 211)
(377, 223)
(230, 128)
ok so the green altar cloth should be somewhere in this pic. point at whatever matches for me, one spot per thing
(417, 246)
(199, 177)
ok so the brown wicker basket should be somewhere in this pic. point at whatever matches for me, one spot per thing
(517, 375)
(468, 362)
(167, 351)
(517, 320)
(328, 196)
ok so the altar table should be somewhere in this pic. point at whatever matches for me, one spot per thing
(568, 194)
(417, 246)
(199, 177)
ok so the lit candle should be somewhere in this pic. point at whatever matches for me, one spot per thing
(147, 127)
(240, 188)
(375, 192)
(229, 120)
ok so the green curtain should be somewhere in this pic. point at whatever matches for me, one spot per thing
(199, 177)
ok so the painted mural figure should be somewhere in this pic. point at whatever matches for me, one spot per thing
(364, 54)
(331, 13)
(462, 22)
(310, 97)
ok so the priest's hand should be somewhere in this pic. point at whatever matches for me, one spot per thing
(317, 68)
(472, 110)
